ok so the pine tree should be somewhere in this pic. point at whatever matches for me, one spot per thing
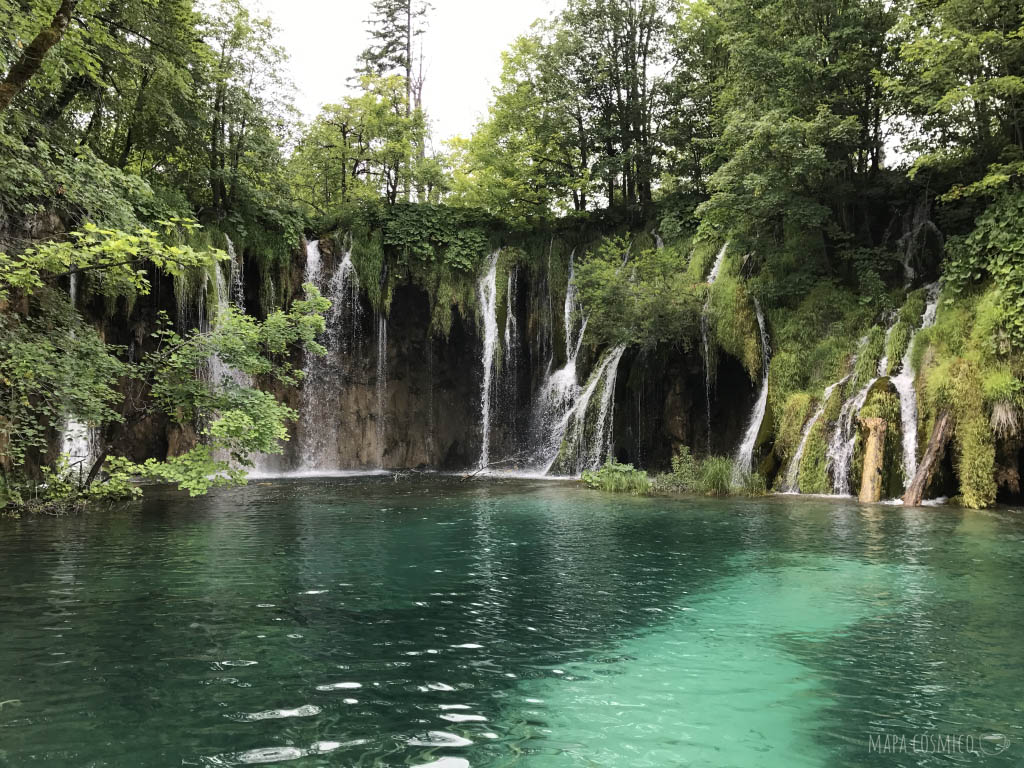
(394, 27)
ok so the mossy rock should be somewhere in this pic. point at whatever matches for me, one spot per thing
(813, 467)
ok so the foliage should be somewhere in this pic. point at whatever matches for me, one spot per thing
(959, 79)
(55, 367)
(614, 477)
(641, 298)
(573, 115)
(711, 476)
(995, 251)
(734, 323)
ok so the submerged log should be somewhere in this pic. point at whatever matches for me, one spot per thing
(941, 433)
(874, 456)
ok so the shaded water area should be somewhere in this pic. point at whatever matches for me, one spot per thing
(362, 621)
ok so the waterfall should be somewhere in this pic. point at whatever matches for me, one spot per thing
(705, 336)
(77, 440)
(509, 390)
(560, 390)
(844, 436)
(792, 481)
(717, 266)
(218, 370)
(573, 339)
(511, 324)
(382, 385)
(744, 463)
(322, 381)
(487, 292)
(586, 435)
(658, 242)
(839, 456)
(237, 276)
(904, 384)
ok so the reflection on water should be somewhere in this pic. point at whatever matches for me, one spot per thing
(360, 621)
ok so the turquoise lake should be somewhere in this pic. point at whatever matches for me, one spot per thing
(429, 621)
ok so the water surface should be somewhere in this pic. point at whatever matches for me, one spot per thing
(360, 621)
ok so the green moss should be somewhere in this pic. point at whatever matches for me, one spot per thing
(867, 358)
(735, 325)
(975, 443)
(794, 415)
(813, 467)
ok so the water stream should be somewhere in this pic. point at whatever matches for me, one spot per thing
(904, 384)
(792, 482)
(382, 386)
(78, 440)
(325, 376)
(586, 428)
(744, 462)
(487, 293)
(705, 336)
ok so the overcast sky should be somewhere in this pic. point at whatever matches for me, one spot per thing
(462, 47)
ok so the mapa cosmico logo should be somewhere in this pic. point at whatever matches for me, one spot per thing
(988, 744)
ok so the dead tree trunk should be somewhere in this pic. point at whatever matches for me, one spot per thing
(874, 456)
(941, 433)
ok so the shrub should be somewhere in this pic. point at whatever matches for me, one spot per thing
(618, 478)
(685, 474)
(716, 476)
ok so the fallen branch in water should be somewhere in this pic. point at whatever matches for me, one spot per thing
(485, 467)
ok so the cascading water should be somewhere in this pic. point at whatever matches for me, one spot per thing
(323, 375)
(904, 385)
(382, 385)
(560, 390)
(744, 463)
(218, 370)
(78, 440)
(792, 481)
(487, 292)
(706, 335)
(839, 456)
(587, 435)
(237, 276)
(509, 381)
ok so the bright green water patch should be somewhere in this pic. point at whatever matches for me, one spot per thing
(367, 622)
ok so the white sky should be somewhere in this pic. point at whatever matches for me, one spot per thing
(462, 49)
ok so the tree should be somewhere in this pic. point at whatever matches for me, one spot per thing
(31, 57)
(362, 149)
(801, 140)
(55, 366)
(959, 82)
(394, 29)
(578, 104)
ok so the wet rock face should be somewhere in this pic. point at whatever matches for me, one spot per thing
(661, 405)
(430, 396)
(431, 393)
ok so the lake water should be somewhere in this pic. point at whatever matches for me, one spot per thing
(366, 622)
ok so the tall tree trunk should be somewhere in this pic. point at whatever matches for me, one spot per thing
(941, 433)
(32, 56)
(129, 138)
